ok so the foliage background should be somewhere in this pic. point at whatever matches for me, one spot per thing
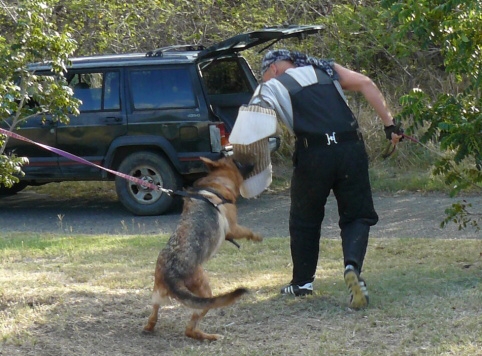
(399, 44)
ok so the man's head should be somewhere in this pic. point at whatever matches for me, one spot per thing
(276, 62)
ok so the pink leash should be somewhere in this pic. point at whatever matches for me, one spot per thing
(75, 158)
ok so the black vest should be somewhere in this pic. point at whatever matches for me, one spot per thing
(318, 108)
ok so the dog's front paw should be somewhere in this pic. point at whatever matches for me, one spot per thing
(257, 238)
(148, 332)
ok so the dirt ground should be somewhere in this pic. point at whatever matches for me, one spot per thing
(401, 215)
(109, 323)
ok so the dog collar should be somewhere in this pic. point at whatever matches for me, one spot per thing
(197, 193)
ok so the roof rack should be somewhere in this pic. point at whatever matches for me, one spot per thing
(160, 51)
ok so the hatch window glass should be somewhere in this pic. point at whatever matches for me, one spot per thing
(225, 77)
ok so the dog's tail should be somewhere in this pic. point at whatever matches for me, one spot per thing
(190, 300)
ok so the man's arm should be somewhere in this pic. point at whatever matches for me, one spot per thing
(354, 81)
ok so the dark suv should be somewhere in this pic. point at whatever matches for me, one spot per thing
(149, 115)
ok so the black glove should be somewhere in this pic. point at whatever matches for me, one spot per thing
(396, 129)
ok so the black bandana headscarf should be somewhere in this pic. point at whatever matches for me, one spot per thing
(298, 59)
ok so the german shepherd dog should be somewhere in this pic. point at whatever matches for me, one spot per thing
(208, 218)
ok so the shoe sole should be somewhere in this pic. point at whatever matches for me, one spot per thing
(359, 299)
(298, 295)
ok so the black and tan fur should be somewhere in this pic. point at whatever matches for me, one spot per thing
(202, 228)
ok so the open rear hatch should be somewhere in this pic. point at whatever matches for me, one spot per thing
(268, 36)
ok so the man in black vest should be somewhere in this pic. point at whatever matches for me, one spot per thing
(307, 95)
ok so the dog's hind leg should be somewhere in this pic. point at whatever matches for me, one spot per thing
(195, 333)
(151, 322)
(158, 298)
(199, 285)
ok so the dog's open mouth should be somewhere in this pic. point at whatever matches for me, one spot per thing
(244, 168)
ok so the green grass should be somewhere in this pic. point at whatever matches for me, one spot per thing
(392, 179)
(90, 295)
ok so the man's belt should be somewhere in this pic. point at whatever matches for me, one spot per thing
(327, 139)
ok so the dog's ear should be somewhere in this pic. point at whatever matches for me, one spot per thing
(209, 163)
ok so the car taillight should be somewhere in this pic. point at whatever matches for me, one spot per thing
(224, 134)
(219, 137)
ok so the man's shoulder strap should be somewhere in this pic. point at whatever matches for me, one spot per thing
(290, 83)
(293, 86)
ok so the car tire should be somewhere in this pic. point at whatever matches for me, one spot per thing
(14, 189)
(155, 169)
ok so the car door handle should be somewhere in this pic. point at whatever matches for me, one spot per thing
(113, 120)
(47, 122)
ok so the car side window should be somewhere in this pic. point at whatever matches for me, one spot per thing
(88, 88)
(112, 91)
(162, 89)
(97, 91)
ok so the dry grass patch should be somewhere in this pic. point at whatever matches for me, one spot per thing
(84, 295)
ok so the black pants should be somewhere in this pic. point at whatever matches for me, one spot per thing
(342, 168)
